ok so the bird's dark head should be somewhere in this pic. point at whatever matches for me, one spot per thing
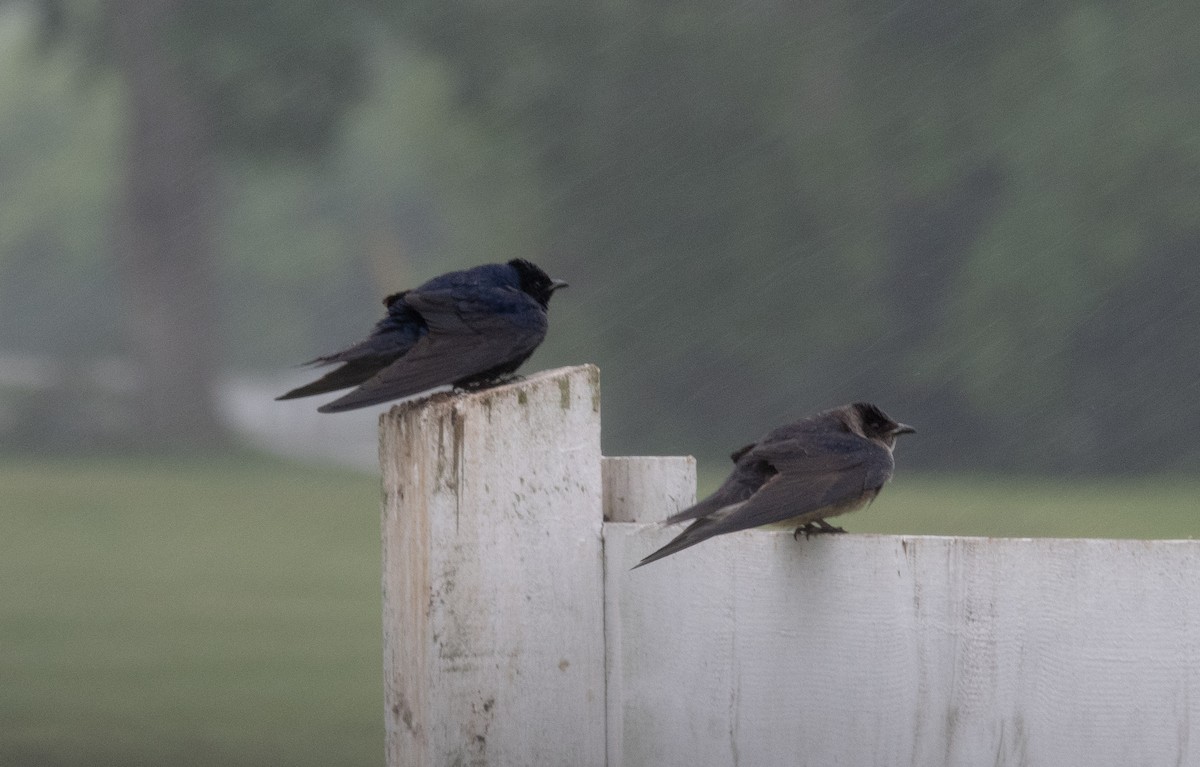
(535, 282)
(872, 423)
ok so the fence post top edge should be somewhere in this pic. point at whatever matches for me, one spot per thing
(461, 398)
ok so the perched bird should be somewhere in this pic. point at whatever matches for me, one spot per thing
(470, 329)
(834, 462)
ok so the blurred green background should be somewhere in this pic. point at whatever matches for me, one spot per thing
(983, 216)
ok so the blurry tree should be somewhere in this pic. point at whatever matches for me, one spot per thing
(982, 215)
(55, 201)
(927, 203)
(204, 79)
(412, 189)
(664, 134)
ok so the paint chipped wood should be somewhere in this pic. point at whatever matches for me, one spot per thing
(516, 634)
(492, 575)
(756, 649)
(656, 486)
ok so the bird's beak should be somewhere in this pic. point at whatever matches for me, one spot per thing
(903, 428)
(556, 284)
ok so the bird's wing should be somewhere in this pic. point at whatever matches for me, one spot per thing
(467, 336)
(736, 455)
(354, 372)
(803, 485)
(742, 482)
(390, 339)
(759, 461)
(810, 483)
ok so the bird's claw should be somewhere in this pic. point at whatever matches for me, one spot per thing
(817, 527)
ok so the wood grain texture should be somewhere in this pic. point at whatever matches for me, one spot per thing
(754, 649)
(653, 487)
(516, 634)
(492, 576)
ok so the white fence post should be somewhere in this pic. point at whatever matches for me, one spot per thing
(636, 489)
(647, 488)
(492, 576)
(755, 649)
(516, 634)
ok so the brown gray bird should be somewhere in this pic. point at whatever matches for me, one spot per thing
(800, 474)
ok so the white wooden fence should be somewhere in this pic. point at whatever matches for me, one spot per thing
(516, 634)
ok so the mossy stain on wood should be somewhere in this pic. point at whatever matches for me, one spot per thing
(594, 380)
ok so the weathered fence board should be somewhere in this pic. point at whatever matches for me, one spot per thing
(516, 634)
(755, 649)
(657, 485)
(634, 489)
(492, 576)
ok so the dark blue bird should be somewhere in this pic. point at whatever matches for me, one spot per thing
(468, 329)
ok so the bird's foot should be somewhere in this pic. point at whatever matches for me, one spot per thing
(817, 527)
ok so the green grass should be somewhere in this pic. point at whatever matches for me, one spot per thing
(1150, 507)
(227, 612)
(154, 613)
(1156, 507)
